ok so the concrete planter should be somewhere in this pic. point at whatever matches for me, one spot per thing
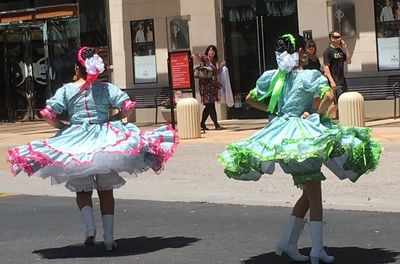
(166, 114)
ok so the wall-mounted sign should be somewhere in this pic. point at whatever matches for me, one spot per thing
(180, 70)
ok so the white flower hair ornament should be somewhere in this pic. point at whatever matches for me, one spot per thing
(94, 65)
(286, 62)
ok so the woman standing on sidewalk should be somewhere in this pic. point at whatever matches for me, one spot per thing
(298, 141)
(209, 87)
(91, 151)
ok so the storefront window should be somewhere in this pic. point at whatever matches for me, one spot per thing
(42, 3)
(387, 19)
(143, 51)
(92, 19)
(9, 5)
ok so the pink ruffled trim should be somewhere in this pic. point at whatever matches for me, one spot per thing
(127, 106)
(25, 163)
(116, 131)
(159, 152)
(48, 113)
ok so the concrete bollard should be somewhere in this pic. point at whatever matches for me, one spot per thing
(188, 113)
(351, 109)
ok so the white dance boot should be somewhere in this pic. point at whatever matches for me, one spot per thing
(108, 228)
(318, 252)
(90, 226)
(288, 242)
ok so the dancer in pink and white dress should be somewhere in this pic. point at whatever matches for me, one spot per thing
(91, 151)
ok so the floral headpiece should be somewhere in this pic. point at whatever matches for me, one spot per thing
(94, 66)
(286, 63)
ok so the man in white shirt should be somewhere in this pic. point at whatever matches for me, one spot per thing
(387, 12)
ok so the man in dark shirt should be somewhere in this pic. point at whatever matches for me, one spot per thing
(334, 58)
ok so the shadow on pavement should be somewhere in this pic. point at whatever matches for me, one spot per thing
(126, 247)
(344, 255)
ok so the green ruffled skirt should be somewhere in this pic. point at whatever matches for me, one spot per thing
(301, 146)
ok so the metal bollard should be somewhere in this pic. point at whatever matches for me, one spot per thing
(351, 109)
(188, 118)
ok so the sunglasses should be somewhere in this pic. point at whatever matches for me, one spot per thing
(311, 46)
(336, 37)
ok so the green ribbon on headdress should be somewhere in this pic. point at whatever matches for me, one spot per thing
(275, 89)
(278, 81)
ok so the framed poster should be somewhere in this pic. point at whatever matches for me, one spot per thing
(143, 51)
(178, 33)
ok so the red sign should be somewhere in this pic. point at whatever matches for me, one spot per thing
(180, 70)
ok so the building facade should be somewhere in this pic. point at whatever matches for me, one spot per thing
(138, 34)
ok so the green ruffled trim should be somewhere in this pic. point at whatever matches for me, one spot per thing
(324, 89)
(243, 159)
(300, 180)
(363, 157)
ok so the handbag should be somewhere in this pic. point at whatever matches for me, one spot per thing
(203, 72)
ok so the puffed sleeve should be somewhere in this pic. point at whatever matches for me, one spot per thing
(59, 101)
(119, 99)
(259, 93)
(316, 83)
(56, 104)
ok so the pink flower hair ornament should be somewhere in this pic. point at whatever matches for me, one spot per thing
(94, 66)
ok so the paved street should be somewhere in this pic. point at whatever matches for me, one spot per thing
(192, 213)
(38, 229)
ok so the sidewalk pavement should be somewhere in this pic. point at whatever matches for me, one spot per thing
(194, 175)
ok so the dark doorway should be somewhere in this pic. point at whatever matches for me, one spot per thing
(37, 58)
(250, 30)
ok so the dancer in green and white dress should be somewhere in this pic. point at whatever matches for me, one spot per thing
(300, 142)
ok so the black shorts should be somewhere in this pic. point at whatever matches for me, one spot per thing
(338, 91)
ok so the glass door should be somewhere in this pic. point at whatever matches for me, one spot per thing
(38, 57)
(19, 92)
(250, 30)
(23, 77)
(3, 84)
